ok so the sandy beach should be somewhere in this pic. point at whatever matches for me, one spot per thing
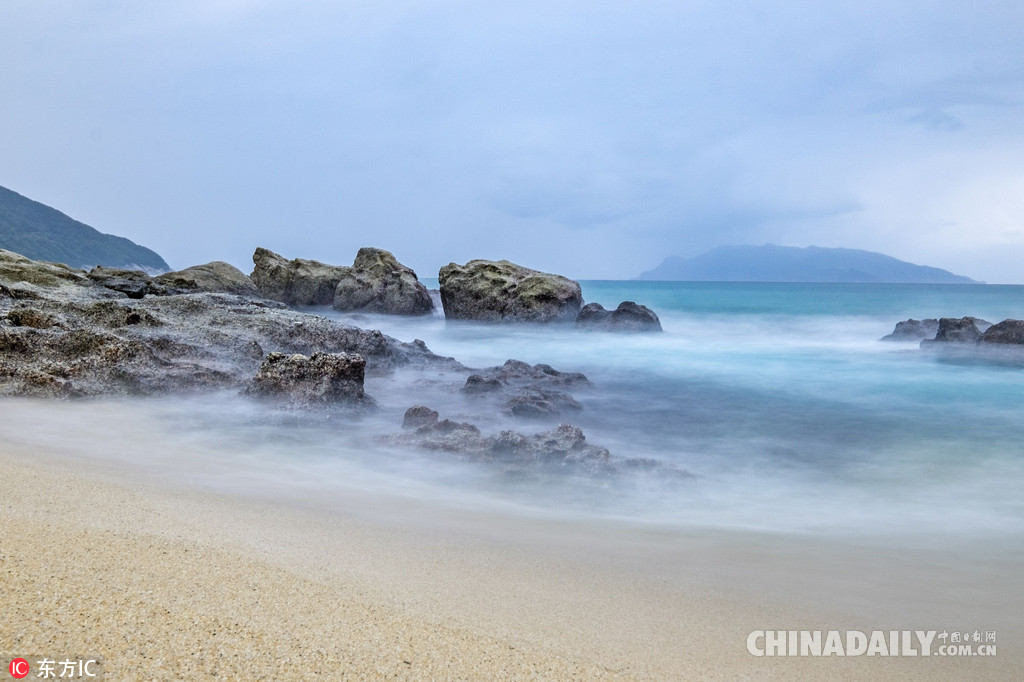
(163, 582)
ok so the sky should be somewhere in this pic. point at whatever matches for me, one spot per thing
(591, 139)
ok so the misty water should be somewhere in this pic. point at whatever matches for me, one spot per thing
(771, 407)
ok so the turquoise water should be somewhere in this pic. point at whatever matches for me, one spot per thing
(783, 404)
(769, 407)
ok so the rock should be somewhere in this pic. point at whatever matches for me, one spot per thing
(297, 281)
(1005, 332)
(378, 283)
(321, 378)
(30, 317)
(628, 317)
(953, 330)
(215, 277)
(131, 283)
(517, 372)
(913, 330)
(85, 339)
(500, 291)
(539, 404)
(419, 415)
(476, 384)
(15, 268)
(565, 445)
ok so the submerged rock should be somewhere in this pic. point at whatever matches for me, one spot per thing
(500, 291)
(628, 317)
(913, 330)
(378, 283)
(297, 281)
(419, 415)
(321, 378)
(534, 403)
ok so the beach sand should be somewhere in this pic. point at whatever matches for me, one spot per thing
(167, 583)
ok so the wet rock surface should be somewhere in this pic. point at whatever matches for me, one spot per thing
(1007, 332)
(526, 391)
(501, 291)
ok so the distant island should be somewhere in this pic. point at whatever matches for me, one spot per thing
(771, 263)
(39, 232)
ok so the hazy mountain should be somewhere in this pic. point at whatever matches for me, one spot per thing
(42, 233)
(771, 263)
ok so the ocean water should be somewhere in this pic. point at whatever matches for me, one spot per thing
(771, 407)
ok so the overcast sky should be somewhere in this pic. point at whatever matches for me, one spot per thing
(587, 138)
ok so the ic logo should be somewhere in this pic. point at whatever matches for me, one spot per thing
(18, 668)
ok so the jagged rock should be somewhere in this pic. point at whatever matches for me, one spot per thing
(500, 291)
(628, 317)
(953, 330)
(321, 378)
(517, 372)
(1006, 332)
(534, 403)
(565, 445)
(295, 282)
(215, 277)
(419, 415)
(85, 339)
(15, 268)
(378, 283)
(913, 330)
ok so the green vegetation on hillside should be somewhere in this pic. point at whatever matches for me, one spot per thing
(42, 233)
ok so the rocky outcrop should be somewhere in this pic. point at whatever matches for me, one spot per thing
(378, 283)
(964, 330)
(217, 277)
(628, 317)
(527, 391)
(913, 330)
(78, 337)
(318, 379)
(297, 281)
(500, 291)
(564, 446)
(1007, 332)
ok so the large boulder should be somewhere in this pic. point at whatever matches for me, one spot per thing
(297, 281)
(628, 317)
(217, 277)
(913, 330)
(1007, 332)
(500, 291)
(956, 330)
(320, 378)
(378, 283)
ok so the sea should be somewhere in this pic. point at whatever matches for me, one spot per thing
(767, 408)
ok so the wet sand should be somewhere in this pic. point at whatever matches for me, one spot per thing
(166, 582)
